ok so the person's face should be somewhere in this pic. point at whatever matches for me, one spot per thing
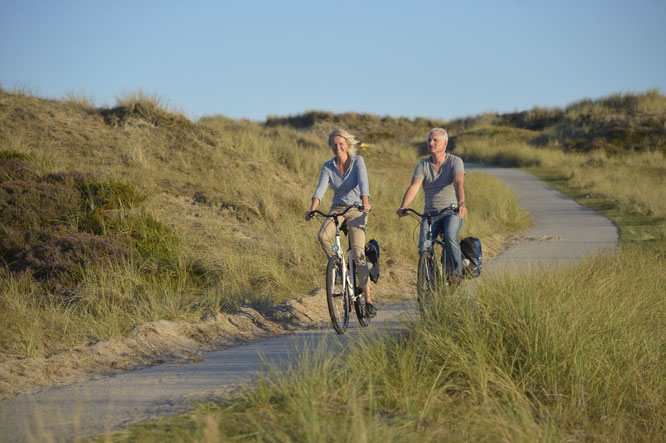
(436, 143)
(339, 146)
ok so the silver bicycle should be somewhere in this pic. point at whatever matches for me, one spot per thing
(341, 290)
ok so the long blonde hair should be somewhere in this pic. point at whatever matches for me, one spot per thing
(351, 140)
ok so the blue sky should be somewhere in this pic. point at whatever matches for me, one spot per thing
(250, 59)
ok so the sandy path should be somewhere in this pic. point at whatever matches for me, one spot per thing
(563, 231)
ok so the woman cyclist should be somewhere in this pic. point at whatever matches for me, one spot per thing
(347, 175)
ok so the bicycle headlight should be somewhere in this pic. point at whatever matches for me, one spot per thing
(336, 248)
(427, 243)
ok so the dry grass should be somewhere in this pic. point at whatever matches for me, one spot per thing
(232, 194)
(570, 354)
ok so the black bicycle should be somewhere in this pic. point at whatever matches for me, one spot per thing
(341, 289)
(429, 275)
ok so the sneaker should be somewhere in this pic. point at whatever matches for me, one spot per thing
(453, 281)
(370, 310)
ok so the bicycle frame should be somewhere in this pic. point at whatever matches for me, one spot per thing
(429, 242)
(350, 293)
(348, 274)
(428, 258)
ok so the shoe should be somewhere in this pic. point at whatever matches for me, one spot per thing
(453, 281)
(370, 310)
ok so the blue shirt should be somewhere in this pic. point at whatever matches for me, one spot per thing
(347, 189)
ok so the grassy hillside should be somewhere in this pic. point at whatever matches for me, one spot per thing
(608, 153)
(572, 354)
(112, 217)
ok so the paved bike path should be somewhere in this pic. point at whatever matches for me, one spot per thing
(563, 231)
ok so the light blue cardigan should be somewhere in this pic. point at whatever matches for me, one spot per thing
(347, 189)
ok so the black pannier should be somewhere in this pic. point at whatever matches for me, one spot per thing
(372, 258)
(472, 257)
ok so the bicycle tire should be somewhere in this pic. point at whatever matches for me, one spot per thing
(359, 307)
(427, 278)
(337, 296)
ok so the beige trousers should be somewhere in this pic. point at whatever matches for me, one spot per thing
(356, 224)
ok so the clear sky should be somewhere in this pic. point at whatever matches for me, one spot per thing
(250, 59)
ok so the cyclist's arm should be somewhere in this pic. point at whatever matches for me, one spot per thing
(365, 200)
(459, 186)
(410, 194)
(363, 183)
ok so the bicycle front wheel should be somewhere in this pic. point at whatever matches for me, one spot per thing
(359, 307)
(427, 277)
(337, 296)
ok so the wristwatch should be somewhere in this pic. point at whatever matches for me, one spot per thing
(461, 204)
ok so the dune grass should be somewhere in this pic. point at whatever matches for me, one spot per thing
(608, 154)
(219, 222)
(569, 354)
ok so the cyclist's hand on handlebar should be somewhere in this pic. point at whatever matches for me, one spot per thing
(401, 212)
(366, 207)
(309, 215)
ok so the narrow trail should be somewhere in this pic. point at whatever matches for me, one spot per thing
(563, 231)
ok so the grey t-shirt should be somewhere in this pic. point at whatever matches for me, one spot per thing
(438, 188)
(347, 189)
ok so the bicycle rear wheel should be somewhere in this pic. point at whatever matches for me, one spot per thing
(427, 278)
(337, 296)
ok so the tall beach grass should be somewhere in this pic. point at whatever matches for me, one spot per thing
(570, 354)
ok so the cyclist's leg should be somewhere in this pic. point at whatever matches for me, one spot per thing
(357, 223)
(327, 231)
(327, 236)
(435, 229)
(451, 224)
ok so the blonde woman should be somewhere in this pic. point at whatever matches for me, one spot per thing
(347, 175)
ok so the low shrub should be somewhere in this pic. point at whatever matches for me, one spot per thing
(26, 204)
(59, 262)
(73, 178)
(15, 243)
(109, 194)
(152, 238)
(16, 169)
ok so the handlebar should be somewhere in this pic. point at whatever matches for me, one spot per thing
(335, 214)
(431, 214)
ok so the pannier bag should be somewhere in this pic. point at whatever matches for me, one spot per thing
(472, 258)
(372, 258)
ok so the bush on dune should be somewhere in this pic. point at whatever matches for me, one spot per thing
(32, 204)
(60, 262)
(55, 227)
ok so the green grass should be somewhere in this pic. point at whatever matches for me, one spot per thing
(570, 354)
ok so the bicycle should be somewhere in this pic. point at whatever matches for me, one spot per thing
(339, 269)
(428, 274)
